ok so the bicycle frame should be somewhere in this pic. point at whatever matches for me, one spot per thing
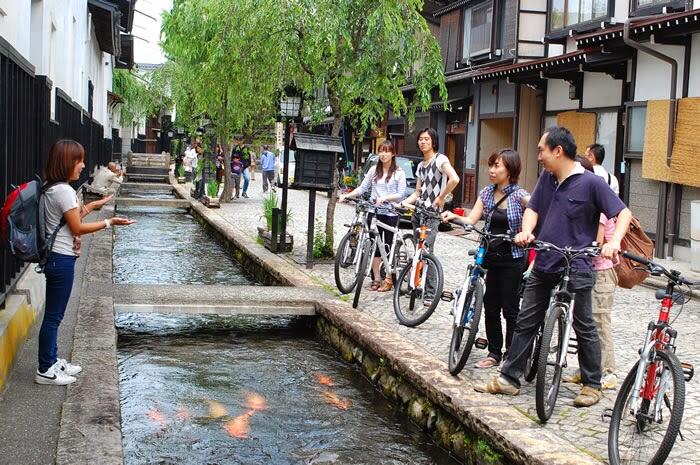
(560, 297)
(474, 273)
(379, 242)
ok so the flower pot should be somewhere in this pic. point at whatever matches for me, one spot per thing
(211, 202)
(181, 180)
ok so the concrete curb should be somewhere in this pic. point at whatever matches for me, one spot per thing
(16, 320)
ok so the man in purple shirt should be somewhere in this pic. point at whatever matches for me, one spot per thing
(564, 209)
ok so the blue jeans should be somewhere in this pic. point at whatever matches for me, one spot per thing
(246, 180)
(59, 272)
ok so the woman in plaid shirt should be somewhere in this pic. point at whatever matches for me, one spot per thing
(501, 205)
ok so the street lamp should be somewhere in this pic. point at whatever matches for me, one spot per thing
(290, 107)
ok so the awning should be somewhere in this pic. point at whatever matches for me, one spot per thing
(535, 66)
(106, 17)
(450, 105)
(113, 99)
(673, 24)
(126, 59)
(126, 7)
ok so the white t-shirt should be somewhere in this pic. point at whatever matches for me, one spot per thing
(60, 198)
(190, 160)
(609, 178)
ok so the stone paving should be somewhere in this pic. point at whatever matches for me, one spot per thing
(585, 428)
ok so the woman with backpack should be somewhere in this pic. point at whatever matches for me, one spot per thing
(501, 204)
(63, 213)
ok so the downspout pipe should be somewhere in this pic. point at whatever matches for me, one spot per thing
(666, 187)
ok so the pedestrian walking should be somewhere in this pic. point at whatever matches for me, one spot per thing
(565, 210)
(190, 162)
(220, 164)
(253, 164)
(595, 153)
(64, 165)
(267, 164)
(236, 171)
(387, 183)
(501, 205)
(244, 155)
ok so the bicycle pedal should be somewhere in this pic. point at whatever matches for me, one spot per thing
(481, 343)
(688, 371)
(447, 296)
(607, 413)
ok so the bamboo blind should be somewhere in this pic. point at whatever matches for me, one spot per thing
(656, 141)
(685, 161)
(582, 126)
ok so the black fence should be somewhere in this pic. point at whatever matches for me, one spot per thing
(27, 132)
(139, 145)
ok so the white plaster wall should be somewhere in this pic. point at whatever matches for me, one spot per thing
(601, 90)
(694, 84)
(15, 24)
(654, 75)
(622, 9)
(558, 96)
(555, 49)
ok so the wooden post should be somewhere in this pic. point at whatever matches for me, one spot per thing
(274, 235)
(310, 232)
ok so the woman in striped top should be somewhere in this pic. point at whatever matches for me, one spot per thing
(388, 184)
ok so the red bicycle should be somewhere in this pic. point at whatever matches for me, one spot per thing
(646, 418)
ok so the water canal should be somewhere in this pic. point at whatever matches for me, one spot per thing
(203, 389)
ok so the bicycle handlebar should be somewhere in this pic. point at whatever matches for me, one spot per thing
(485, 234)
(568, 252)
(657, 270)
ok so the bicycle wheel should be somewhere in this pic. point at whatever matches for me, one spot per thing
(531, 367)
(641, 438)
(365, 258)
(464, 329)
(548, 369)
(345, 260)
(414, 304)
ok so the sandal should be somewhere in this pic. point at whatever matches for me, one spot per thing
(488, 362)
(387, 285)
(374, 286)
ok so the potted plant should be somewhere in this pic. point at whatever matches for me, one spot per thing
(265, 233)
(181, 174)
(211, 200)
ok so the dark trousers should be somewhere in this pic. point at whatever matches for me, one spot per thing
(268, 179)
(502, 284)
(534, 308)
(59, 272)
(387, 236)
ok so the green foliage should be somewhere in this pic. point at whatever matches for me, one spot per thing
(212, 188)
(143, 96)
(321, 248)
(181, 171)
(270, 202)
(487, 452)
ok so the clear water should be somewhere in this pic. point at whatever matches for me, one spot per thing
(213, 390)
(167, 246)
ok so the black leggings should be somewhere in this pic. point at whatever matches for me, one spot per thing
(387, 236)
(502, 285)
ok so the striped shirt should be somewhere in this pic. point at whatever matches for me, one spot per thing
(396, 185)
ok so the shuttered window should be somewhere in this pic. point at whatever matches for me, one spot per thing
(481, 29)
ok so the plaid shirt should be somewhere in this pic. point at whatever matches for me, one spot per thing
(514, 210)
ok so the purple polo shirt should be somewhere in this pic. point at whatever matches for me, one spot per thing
(569, 214)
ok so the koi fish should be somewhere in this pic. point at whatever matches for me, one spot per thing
(183, 414)
(323, 379)
(255, 402)
(216, 410)
(239, 427)
(336, 401)
(156, 416)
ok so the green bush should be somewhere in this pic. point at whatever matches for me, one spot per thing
(212, 188)
(181, 171)
(321, 248)
(270, 202)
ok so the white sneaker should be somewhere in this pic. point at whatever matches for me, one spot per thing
(53, 375)
(608, 381)
(69, 368)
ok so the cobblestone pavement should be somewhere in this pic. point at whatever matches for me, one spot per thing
(585, 428)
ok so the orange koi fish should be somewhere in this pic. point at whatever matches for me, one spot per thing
(255, 402)
(216, 410)
(156, 416)
(323, 379)
(239, 427)
(336, 401)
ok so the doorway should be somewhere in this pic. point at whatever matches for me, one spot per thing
(496, 133)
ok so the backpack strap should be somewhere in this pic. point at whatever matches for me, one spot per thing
(609, 179)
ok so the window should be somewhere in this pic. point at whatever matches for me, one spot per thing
(636, 124)
(481, 25)
(567, 13)
(467, 21)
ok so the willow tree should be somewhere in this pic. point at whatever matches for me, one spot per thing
(361, 53)
(216, 73)
(235, 56)
(143, 95)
